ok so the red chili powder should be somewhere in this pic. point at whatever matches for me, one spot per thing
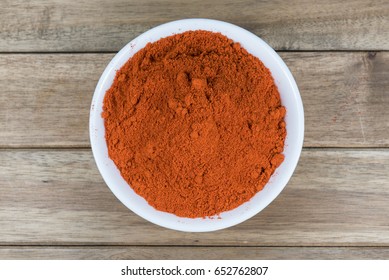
(195, 124)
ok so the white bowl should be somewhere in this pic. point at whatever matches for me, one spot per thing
(290, 98)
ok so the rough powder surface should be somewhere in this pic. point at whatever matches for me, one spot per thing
(195, 124)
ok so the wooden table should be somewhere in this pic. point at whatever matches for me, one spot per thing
(53, 201)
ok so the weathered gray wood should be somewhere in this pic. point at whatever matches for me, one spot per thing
(337, 197)
(56, 197)
(99, 25)
(345, 96)
(190, 253)
(45, 99)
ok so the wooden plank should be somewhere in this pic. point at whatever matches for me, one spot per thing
(345, 96)
(99, 25)
(190, 253)
(56, 197)
(45, 99)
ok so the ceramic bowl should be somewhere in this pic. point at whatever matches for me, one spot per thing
(290, 98)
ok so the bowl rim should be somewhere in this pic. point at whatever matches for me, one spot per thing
(175, 27)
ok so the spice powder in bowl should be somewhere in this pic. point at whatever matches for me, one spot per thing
(194, 123)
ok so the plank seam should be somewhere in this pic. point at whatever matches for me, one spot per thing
(116, 51)
(185, 246)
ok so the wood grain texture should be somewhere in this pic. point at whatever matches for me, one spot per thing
(99, 25)
(45, 98)
(191, 253)
(345, 96)
(56, 197)
(54, 203)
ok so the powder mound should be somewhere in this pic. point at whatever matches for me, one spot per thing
(195, 124)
